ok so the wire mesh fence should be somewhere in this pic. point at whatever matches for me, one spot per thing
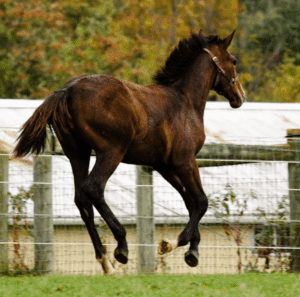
(252, 224)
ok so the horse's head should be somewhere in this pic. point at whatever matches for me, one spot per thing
(226, 82)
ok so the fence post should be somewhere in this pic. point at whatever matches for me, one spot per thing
(145, 220)
(3, 212)
(294, 193)
(43, 222)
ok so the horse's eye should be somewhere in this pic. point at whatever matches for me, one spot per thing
(234, 62)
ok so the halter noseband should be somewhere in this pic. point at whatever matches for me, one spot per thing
(232, 81)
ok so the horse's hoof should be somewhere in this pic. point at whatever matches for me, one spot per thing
(191, 258)
(121, 255)
(107, 267)
(164, 247)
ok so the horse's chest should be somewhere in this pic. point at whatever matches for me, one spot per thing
(194, 138)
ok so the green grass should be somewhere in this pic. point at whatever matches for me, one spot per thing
(252, 285)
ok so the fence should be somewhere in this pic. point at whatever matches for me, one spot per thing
(252, 223)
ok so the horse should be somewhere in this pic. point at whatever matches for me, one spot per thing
(159, 125)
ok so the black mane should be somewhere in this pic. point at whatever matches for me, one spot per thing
(182, 57)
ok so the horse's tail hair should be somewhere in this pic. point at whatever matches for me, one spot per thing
(52, 112)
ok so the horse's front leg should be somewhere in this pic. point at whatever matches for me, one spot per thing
(186, 180)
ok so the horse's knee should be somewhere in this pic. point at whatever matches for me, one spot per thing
(201, 204)
(87, 188)
(83, 204)
(93, 190)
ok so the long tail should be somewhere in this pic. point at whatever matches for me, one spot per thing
(53, 112)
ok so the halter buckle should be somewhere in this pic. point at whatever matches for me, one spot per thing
(232, 82)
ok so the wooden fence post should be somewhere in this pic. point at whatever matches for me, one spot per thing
(43, 221)
(294, 186)
(3, 212)
(145, 220)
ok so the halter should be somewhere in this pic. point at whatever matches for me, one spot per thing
(232, 81)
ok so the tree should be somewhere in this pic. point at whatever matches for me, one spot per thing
(46, 43)
(269, 42)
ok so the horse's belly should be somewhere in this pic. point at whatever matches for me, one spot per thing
(146, 153)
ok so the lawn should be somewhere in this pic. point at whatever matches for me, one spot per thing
(254, 285)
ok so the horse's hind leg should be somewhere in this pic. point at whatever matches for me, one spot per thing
(80, 166)
(94, 186)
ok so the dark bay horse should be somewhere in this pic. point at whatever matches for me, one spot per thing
(159, 125)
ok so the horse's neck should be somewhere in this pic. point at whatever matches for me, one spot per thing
(199, 84)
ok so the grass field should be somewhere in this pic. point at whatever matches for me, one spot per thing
(254, 285)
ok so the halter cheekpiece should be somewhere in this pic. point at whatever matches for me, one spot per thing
(232, 81)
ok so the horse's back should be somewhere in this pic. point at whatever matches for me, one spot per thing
(103, 108)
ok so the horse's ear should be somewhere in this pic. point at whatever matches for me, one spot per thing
(201, 33)
(227, 41)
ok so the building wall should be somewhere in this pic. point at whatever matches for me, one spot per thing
(74, 253)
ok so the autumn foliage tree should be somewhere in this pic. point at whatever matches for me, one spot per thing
(46, 43)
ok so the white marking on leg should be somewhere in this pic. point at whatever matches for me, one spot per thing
(106, 266)
(167, 246)
(174, 244)
(86, 212)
